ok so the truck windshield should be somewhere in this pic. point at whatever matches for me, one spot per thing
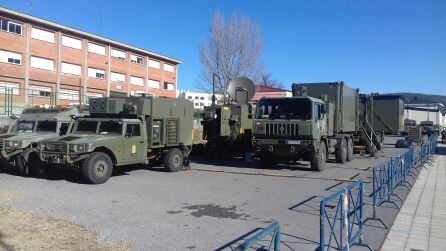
(85, 127)
(105, 127)
(46, 126)
(110, 127)
(299, 108)
(23, 126)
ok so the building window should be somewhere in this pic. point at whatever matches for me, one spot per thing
(42, 63)
(154, 84)
(154, 64)
(189, 97)
(137, 81)
(96, 73)
(168, 86)
(71, 42)
(10, 57)
(117, 54)
(202, 98)
(117, 77)
(71, 69)
(169, 67)
(12, 87)
(95, 48)
(136, 59)
(69, 95)
(6, 25)
(197, 104)
(39, 91)
(43, 35)
(197, 97)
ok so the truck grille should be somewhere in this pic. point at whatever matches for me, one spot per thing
(57, 148)
(281, 129)
(1, 144)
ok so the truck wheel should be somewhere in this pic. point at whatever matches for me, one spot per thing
(173, 160)
(97, 168)
(349, 149)
(267, 160)
(28, 163)
(341, 153)
(318, 160)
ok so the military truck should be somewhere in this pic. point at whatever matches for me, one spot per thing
(427, 127)
(18, 146)
(318, 120)
(124, 131)
(229, 125)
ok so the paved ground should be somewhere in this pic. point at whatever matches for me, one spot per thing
(421, 223)
(201, 210)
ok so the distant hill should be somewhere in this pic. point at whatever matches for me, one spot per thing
(419, 98)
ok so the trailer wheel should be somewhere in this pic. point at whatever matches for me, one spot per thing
(97, 168)
(349, 149)
(173, 160)
(341, 153)
(319, 159)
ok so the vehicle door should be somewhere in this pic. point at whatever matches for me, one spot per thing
(134, 147)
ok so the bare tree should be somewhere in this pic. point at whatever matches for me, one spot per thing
(233, 50)
(268, 81)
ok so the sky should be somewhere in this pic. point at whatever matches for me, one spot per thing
(377, 46)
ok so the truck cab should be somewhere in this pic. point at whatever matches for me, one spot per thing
(289, 127)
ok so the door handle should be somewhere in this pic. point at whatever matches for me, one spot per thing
(141, 141)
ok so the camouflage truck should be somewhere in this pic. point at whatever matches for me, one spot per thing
(124, 131)
(318, 120)
(18, 146)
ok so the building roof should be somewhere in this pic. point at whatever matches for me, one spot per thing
(268, 89)
(85, 34)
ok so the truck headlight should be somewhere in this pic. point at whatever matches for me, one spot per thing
(259, 126)
(79, 148)
(13, 144)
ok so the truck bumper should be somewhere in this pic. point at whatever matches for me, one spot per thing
(286, 148)
(60, 158)
(8, 155)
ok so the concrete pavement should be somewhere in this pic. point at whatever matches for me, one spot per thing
(421, 222)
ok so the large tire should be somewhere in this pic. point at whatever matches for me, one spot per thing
(97, 168)
(28, 163)
(350, 149)
(341, 153)
(319, 159)
(173, 160)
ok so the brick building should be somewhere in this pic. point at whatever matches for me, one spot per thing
(43, 62)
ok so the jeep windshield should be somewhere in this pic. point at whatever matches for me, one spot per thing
(287, 108)
(46, 126)
(23, 126)
(97, 127)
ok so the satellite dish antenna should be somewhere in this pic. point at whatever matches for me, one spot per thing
(241, 90)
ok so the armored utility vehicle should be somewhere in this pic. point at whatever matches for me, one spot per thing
(229, 125)
(18, 146)
(124, 131)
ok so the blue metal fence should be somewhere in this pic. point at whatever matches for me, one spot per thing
(273, 230)
(344, 228)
